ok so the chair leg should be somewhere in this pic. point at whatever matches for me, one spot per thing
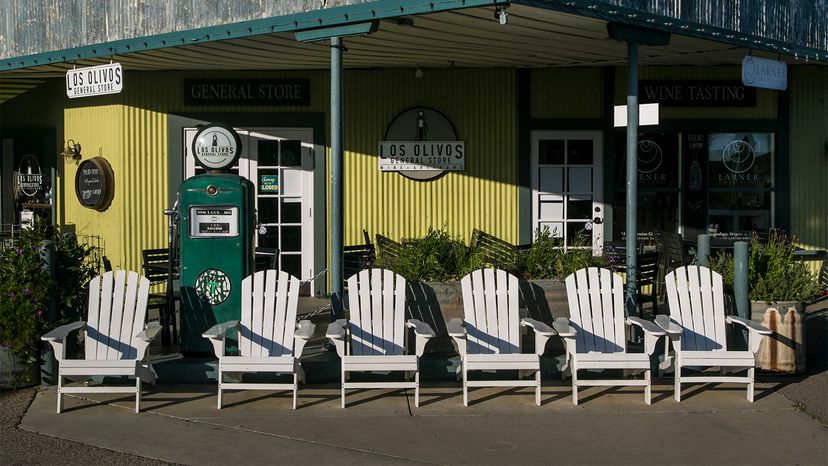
(648, 389)
(574, 373)
(538, 388)
(750, 387)
(295, 389)
(59, 392)
(677, 383)
(343, 388)
(465, 386)
(417, 389)
(138, 394)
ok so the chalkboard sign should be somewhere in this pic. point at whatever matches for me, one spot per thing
(94, 183)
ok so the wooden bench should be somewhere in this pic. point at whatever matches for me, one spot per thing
(358, 257)
(496, 252)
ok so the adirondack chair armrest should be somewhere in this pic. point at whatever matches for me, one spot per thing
(542, 333)
(538, 327)
(755, 331)
(60, 333)
(336, 333)
(56, 337)
(421, 329)
(561, 325)
(219, 330)
(455, 328)
(646, 325)
(749, 324)
(150, 332)
(422, 333)
(304, 330)
(673, 329)
(652, 332)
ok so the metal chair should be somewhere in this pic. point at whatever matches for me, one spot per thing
(648, 277)
(156, 267)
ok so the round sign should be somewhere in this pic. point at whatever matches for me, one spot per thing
(216, 147)
(29, 177)
(213, 286)
(95, 183)
(421, 124)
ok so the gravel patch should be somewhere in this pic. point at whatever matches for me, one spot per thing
(20, 447)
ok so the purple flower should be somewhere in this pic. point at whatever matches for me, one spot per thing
(26, 290)
(11, 294)
(40, 312)
(19, 251)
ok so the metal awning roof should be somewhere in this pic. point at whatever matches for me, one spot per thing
(463, 38)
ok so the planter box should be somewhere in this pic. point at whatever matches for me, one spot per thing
(784, 351)
(15, 373)
(435, 303)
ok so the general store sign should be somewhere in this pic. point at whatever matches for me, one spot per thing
(247, 92)
(420, 156)
(764, 73)
(94, 80)
(421, 143)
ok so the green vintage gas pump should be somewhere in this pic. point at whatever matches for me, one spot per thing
(217, 237)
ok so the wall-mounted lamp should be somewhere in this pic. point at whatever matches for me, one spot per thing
(501, 15)
(72, 151)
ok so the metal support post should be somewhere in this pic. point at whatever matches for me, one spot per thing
(632, 176)
(48, 364)
(703, 251)
(740, 283)
(337, 154)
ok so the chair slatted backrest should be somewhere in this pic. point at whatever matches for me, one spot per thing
(596, 309)
(490, 302)
(696, 298)
(268, 314)
(377, 312)
(116, 312)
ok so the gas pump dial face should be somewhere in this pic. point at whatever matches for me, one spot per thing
(213, 286)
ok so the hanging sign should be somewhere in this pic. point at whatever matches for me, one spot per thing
(94, 80)
(94, 183)
(764, 73)
(421, 143)
(29, 177)
(217, 147)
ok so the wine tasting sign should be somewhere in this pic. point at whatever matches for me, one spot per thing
(95, 184)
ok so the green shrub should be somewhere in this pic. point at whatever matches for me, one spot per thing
(24, 287)
(774, 274)
(435, 257)
(547, 258)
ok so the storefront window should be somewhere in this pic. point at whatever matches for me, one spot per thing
(658, 186)
(740, 167)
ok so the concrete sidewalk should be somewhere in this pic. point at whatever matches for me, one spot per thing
(502, 426)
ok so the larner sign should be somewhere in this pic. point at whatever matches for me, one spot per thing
(761, 72)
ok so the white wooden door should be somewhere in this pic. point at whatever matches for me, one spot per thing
(567, 181)
(279, 162)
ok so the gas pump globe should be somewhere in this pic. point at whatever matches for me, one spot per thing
(217, 237)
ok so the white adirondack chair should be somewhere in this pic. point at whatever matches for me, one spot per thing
(270, 339)
(116, 338)
(696, 328)
(488, 338)
(595, 333)
(375, 337)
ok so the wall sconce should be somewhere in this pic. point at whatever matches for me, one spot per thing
(501, 15)
(72, 151)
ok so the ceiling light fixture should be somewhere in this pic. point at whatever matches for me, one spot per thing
(418, 72)
(501, 15)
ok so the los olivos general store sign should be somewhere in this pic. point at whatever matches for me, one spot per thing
(94, 80)
(421, 143)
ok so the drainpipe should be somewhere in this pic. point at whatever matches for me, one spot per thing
(632, 176)
(741, 252)
(337, 154)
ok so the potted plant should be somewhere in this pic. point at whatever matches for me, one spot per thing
(25, 285)
(778, 287)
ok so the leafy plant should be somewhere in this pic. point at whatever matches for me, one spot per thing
(435, 257)
(25, 287)
(547, 258)
(774, 274)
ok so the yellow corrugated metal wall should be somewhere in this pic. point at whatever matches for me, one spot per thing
(481, 105)
(808, 91)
